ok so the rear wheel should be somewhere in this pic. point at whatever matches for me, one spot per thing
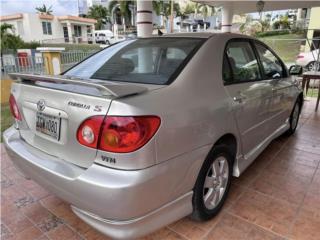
(213, 184)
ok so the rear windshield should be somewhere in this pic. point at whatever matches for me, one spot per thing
(150, 60)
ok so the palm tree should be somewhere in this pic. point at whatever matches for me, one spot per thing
(125, 12)
(100, 13)
(163, 8)
(44, 9)
(205, 10)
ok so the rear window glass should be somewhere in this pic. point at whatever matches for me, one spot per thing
(149, 61)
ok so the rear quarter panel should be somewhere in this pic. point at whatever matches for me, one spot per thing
(195, 110)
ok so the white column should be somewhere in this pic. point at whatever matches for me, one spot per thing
(227, 15)
(144, 18)
(69, 32)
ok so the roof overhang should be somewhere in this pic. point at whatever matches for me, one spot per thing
(77, 19)
(11, 17)
(240, 7)
(46, 16)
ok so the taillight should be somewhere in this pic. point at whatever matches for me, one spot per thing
(300, 56)
(127, 134)
(117, 134)
(88, 132)
(14, 108)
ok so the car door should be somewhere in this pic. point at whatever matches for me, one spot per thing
(251, 95)
(275, 72)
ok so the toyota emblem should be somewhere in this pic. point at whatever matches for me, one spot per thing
(41, 105)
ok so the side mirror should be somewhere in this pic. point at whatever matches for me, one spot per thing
(295, 70)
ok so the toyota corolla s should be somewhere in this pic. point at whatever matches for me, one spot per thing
(150, 130)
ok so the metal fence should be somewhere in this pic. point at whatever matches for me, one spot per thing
(10, 64)
(69, 59)
(36, 64)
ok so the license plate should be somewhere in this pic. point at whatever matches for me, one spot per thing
(48, 125)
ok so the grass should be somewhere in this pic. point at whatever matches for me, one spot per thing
(312, 92)
(286, 49)
(83, 47)
(6, 118)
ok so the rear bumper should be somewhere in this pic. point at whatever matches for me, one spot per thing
(121, 204)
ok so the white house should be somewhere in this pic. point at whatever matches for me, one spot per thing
(49, 28)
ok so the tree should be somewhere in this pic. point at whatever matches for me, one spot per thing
(265, 25)
(124, 7)
(163, 8)
(189, 9)
(8, 40)
(44, 9)
(205, 10)
(283, 23)
(99, 13)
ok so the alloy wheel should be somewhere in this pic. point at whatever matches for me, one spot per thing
(216, 182)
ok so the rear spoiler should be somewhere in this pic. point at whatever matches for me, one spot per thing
(105, 88)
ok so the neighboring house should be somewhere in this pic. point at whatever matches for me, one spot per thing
(49, 28)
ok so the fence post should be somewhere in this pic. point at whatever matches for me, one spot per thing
(52, 59)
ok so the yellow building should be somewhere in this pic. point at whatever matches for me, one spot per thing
(314, 28)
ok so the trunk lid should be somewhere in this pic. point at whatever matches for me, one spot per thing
(53, 108)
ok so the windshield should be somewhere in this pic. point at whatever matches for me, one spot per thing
(150, 60)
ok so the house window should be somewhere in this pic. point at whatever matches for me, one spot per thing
(77, 30)
(46, 28)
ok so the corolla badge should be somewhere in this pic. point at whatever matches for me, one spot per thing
(41, 105)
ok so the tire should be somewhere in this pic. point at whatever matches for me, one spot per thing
(107, 42)
(294, 118)
(206, 201)
(311, 66)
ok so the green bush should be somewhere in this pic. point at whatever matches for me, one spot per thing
(272, 33)
(83, 47)
(30, 45)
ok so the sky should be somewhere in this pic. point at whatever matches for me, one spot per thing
(59, 7)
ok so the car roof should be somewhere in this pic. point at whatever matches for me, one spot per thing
(205, 35)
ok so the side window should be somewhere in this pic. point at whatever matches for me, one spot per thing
(242, 61)
(226, 71)
(271, 64)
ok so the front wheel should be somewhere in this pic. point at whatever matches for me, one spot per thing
(294, 117)
(213, 184)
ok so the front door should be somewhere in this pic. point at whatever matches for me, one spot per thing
(250, 94)
(274, 71)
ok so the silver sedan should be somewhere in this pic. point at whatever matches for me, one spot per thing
(150, 130)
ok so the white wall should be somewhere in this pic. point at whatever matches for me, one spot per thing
(32, 28)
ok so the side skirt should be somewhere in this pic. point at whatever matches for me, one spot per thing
(243, 162)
